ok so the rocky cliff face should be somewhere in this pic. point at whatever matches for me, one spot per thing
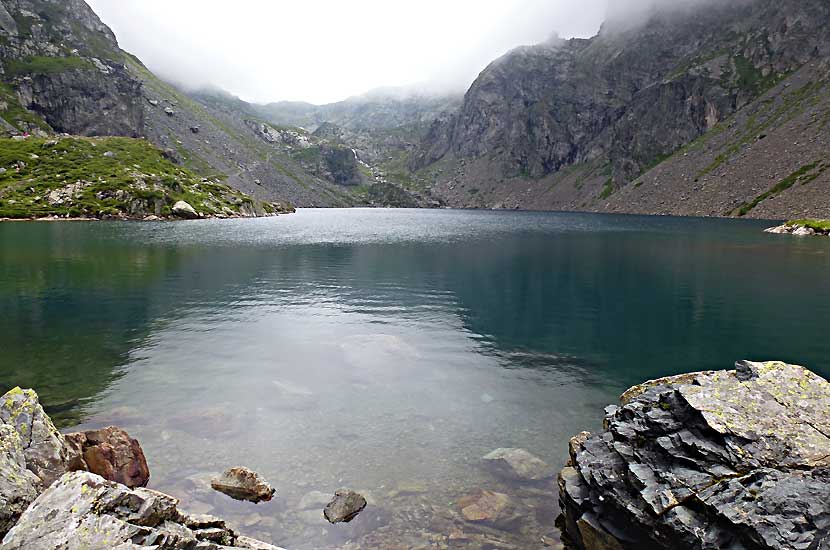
(65, 65)
(733, 459)
(615, 106)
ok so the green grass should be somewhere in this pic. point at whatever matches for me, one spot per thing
(45, 65)
(803, 175)
(135, 181)
(607, 189)
(817, 225)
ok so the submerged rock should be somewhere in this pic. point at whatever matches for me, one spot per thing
(344, 507)
(733, 459)
(112, 454)
(83, 510)
(243, 484)
(486, 506)
(518, 464)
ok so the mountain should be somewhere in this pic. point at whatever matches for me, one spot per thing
(706, 110)
(62, 71)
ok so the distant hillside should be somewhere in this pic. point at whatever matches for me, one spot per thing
(61, 70)
(715, 111)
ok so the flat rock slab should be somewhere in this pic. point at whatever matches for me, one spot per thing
(344, 507)
(729, 459)
(243, 484)
(518, 464)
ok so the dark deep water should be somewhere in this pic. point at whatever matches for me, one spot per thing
(386, 350)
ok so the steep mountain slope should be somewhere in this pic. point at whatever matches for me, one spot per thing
(61, 70)
(568, 124)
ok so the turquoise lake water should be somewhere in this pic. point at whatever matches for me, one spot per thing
(387, 350)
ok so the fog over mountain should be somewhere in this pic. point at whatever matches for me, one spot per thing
(328, 50)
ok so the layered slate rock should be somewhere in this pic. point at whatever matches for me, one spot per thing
(83, 510)
(734, 459)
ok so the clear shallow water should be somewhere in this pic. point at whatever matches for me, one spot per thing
(386, 350)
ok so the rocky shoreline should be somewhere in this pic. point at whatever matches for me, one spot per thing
(731, 459)
(86, 490)
(802, 228)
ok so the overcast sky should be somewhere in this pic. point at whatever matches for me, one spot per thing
(326, 50)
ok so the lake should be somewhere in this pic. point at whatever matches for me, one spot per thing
(387, 351)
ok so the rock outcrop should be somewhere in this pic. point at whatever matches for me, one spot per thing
(66, 67)
(18, 486)
(806, 228)
(45, 451)
(732, 459)
(83, 510)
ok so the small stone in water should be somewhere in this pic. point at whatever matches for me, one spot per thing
(344, 507)
(243, 484)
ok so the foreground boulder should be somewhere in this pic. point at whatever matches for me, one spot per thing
(18, 486)
(518, 465)
(243, 484)
(44, 448)
(734, 459)
(344, 507)
(112, 454)
(84, 511)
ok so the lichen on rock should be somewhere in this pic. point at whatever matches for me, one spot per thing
(732, 459)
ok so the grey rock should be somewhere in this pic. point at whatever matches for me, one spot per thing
(84, 511)
(518, 464)
(44, 448)
(344, 507)
(18, 486)
(183, 210)
(109, 154)
(243, 484)
(731, 459)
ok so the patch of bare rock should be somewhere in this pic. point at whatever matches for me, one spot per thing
(733, 459)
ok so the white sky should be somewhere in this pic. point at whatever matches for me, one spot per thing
(326, 50)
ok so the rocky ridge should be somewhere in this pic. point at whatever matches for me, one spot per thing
(710, 111)
(706, 460)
